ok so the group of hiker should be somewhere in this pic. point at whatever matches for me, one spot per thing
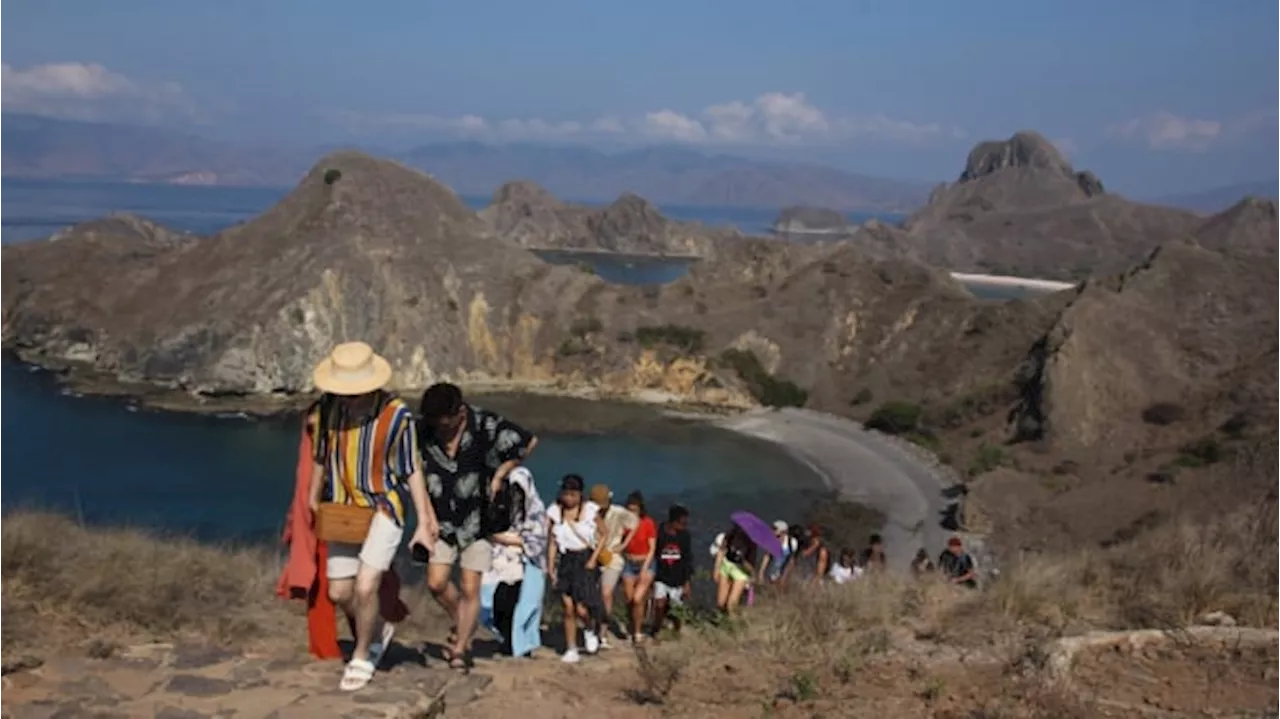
(479, 509)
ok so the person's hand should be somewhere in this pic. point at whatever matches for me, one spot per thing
(314, 506)
(423, 536)
(591, 564)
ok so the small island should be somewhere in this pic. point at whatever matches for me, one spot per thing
(800, 219)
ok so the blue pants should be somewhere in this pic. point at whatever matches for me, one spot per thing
(526, 625)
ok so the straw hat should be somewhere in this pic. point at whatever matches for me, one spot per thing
(352, 368)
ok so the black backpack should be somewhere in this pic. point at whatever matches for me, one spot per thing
(504, 510)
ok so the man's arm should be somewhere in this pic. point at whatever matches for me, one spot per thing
(513, 442)
(422, 507)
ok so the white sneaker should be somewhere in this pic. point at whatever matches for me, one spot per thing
(571, 656)
(591, 642)
(604, 642)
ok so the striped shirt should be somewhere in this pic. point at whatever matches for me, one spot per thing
(366, 457)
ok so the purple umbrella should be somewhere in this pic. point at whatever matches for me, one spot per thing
(758, 531)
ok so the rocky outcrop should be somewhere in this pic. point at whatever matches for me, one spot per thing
(1019, 208)
(1247, 226)
(528, 216)
(369, 249)
(809, 220)
(1189, 327)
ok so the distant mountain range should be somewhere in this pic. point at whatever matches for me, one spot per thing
(1220, 198)
(46, 148)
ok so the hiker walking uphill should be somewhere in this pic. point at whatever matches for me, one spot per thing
(467, 452)
(572, 555)
(364, 447)
(616, 526)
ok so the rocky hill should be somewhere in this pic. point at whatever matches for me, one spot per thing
(805, 219)
(528, 216)
(1248, 226)
(1169, 360)
(1019, 208)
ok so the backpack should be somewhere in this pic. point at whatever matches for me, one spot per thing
(500, 510)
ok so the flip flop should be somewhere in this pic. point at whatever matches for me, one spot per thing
(357, 675)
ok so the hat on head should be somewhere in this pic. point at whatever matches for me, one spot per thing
(779, 525)
(352, 368)
(600, 494)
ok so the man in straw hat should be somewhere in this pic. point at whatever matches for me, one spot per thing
(467, 453)
(365, 447)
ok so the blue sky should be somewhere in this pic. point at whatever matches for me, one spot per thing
(1153, 96)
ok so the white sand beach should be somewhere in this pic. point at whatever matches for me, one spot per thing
(864, 467)
(1030, 283)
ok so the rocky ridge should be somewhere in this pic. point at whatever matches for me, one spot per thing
(1019, 208)
(530, 217)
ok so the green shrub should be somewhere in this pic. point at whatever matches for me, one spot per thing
(863, 396)
(687, 339)
(1201, 452)
(988, 458)
(894, 417)
(332, 176)
(767, 389)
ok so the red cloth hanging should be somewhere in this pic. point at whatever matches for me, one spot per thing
(303, 576)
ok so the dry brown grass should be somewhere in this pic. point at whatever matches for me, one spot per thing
(890, 644)
(65, 582)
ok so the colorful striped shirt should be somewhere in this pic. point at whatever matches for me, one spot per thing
(366, 457)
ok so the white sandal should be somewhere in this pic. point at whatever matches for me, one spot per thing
(357, 675)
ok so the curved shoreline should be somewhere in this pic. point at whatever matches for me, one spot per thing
(863, 467)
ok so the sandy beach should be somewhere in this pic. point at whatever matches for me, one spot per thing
(1030, 283)
(864, 467)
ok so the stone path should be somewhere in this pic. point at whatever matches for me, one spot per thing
(193, 682)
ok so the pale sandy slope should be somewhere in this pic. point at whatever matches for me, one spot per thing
(864, 467)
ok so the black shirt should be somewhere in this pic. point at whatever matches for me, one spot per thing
(459, 487)
(956, 566)
(675, 557)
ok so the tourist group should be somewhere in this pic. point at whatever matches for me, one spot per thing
(477, 507)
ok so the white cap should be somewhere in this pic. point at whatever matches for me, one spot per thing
(779, 525)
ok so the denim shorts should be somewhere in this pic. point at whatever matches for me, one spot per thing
(633, 569)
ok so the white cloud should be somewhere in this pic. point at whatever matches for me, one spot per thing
(88, 91)
(1166, 131)
(781, 118)
(774, 118)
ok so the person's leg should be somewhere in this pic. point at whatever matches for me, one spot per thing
(735, 595)
(376, 555)
(640, 602)
(439, 576)
(570, 623)
(609, 577)
(504, 610)
(475, 561)
(723, 584)
(660, 599)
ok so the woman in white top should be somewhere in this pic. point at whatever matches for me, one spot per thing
(572, 556)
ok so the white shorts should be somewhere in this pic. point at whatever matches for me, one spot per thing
(379, 548)
(674, 595)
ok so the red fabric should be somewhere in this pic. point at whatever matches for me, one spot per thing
(301, 578)
(639, 544)
(300, 571)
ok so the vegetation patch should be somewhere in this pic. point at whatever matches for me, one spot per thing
(686, 339)
(331, 176)
(767, 389)
(896, 418)
(988, 457)
(1200, 453)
